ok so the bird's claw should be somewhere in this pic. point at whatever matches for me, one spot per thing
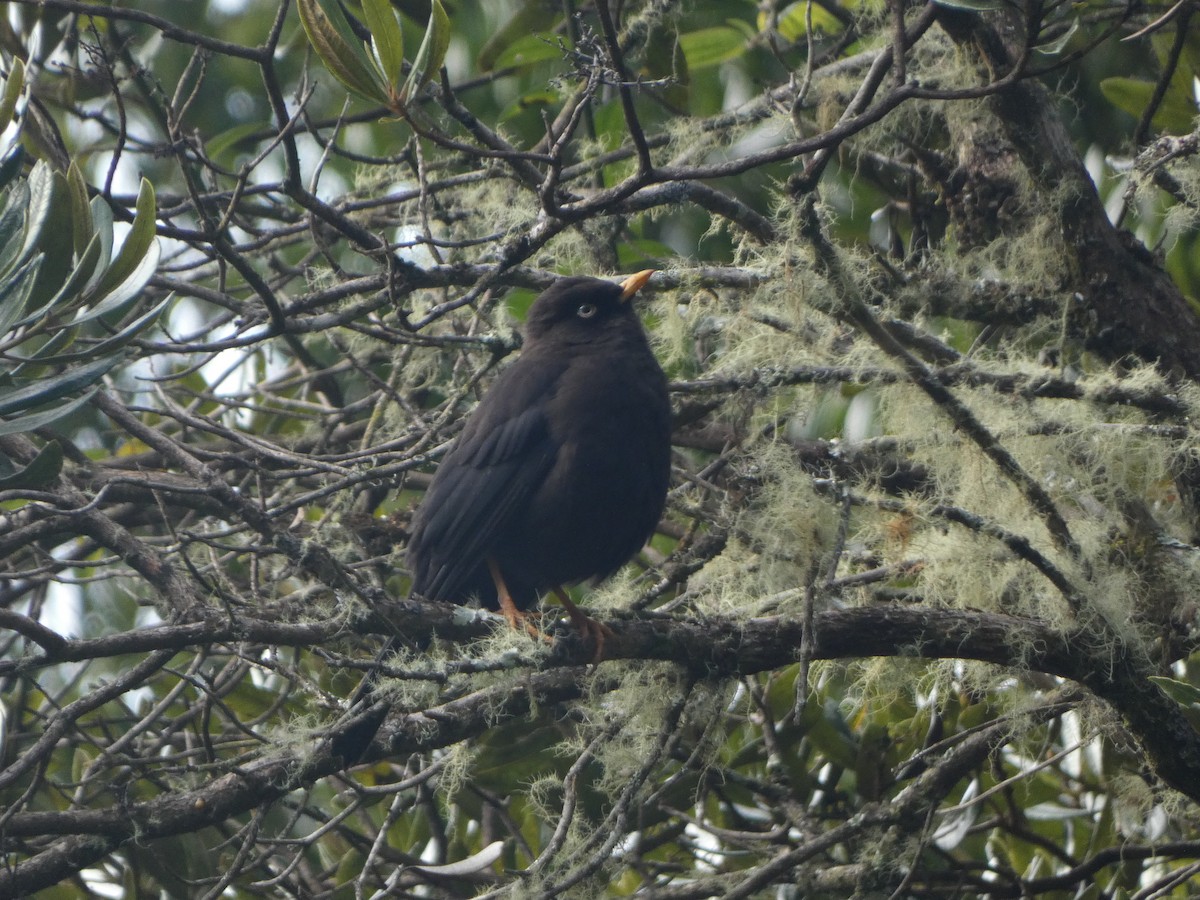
(517, 620)
(588, 628)
(598, 632)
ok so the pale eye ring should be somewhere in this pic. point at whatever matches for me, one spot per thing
(586, 310)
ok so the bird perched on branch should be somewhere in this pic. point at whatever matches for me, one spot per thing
(561, 472)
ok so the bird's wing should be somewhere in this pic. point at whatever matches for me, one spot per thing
(496, 466)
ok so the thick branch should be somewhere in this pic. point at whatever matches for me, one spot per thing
(713, 647)
(1129, 302)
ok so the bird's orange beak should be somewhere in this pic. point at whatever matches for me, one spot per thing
(634, 283)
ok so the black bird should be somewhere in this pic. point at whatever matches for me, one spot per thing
(561, 472)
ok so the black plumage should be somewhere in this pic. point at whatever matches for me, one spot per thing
(561, 472)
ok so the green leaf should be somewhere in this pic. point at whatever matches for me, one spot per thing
(40, 204)
(41, 471)
(12, 218)
(13, 86)
(431, 54)
(793, 21)
(14, 293)
(33, 421)
(1127, 94)
(664, 59)
(59, 892)
(609, 121)
(1132, 95)
(68, 289)
(81, 212)
(10, 165)
(140, 324)
(110, 345)
(349, 867)
(1057, 46)
(829, 733)
(340, 49)
(229, 139)
(970, 5)
(531, 49)
(1180, 691)
(537, 99)
(47, 390)
(712, 46)
(534, 16)
(102, 228)
(119, 297)
(510, 755)
(387, 38)
(642, 253)
(1183, 693)
(826, 418)
(137, 242)
(61, 339)
(48, 230)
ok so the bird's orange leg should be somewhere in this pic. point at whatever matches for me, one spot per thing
(508, 609)
(585, 624)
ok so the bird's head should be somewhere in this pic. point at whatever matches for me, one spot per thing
(578, 311)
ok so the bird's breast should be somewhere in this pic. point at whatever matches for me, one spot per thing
(604, 493)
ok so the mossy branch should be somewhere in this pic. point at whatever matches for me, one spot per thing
(712, 648)
(854, 308)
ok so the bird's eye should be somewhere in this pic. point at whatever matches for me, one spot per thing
(586, 310)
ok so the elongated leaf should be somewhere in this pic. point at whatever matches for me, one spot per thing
(11, 219)
(10, 165)
(13, 86)
(81, 211)
(664, 60)
(476, 862)
(40, 312)
(1185, 694)
(137, 242)
(47, 390)
(48, 230)
(431, 54)
(14, 293)
(109, 345)
(970, 5)
(120, 296)
(957, 825)
(102, 227)
(339, 49)
(1180, 691)
(710, 46)
(83, 274)
(41, 471)
(230, 140)
(37, 313)
(530, 49)
(32, 421)
(1054, 48)
(40, 204)
(387, 38)
(61, 340)
(533, 16)
(793, 20)
(531, 100)
(1133, 95)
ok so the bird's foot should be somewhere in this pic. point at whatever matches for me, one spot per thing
(598, 632)
(589, 629)
(517, 620)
